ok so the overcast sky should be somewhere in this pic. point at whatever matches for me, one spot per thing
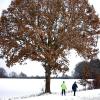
(34, 68)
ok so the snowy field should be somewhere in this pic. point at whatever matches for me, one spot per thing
(28, 89)
(83, 95)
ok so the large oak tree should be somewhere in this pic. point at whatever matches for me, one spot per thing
(45, 30)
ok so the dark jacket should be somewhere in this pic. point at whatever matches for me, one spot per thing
(74, 87)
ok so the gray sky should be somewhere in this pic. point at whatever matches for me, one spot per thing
(35, 68)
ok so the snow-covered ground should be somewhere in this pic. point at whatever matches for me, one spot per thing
(83, 95)
(20, 87)
(80, 95)
(28, 89)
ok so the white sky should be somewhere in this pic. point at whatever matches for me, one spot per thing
(34, 68)
(4, 4)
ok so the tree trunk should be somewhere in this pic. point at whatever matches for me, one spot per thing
(47, 77)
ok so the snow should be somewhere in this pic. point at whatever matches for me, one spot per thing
(84, 95)
(30, 89)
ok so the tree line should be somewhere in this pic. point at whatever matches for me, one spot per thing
(5, 74)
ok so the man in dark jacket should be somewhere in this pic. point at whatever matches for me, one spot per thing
(74, 87)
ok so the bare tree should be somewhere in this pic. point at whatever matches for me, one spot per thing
(22, 75)
(13, 75)
(3, 73)
(81, 69)
(45, 30)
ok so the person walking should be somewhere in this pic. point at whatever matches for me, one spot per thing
(74, 88)
(63, 87)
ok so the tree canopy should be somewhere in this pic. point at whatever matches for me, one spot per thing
(45, 30)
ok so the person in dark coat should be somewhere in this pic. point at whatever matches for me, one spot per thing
(74, 88)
